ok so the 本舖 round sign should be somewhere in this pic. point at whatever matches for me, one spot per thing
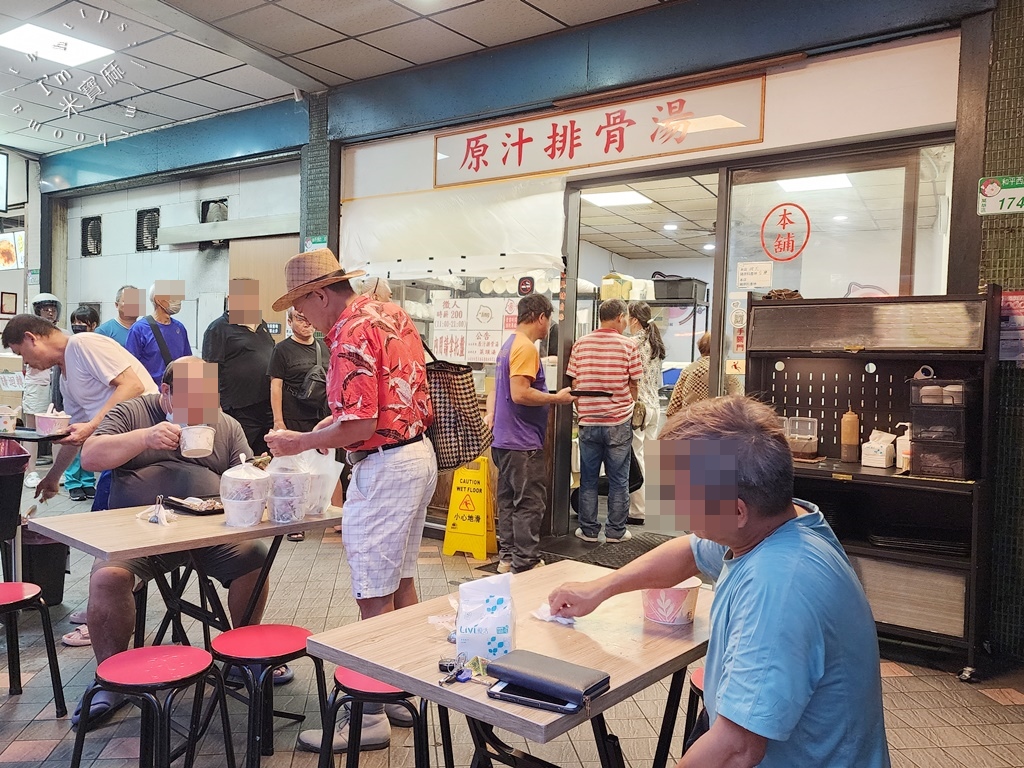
(785, 232)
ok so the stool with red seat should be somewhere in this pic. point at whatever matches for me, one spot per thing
(357, 690)
(257, 649)
(16, 596)
(141, 674)
(693, 703)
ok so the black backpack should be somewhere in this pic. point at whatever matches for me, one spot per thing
(314, 385)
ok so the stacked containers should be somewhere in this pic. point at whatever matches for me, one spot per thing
(945, 417)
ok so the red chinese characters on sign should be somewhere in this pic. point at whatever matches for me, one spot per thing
(615, 126)
(785, 232)
(516, 144)
(672, 122)
(563, 140)
(476, 150)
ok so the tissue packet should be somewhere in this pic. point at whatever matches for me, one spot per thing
(879, 450)
(486, 621)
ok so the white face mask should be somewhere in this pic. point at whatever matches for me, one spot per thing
(173, 307)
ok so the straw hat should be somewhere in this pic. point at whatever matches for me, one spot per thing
(309, 271)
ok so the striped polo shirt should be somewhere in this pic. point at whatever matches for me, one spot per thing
(605, 360)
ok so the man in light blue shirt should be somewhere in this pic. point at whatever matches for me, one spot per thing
(792, 672)
(128, 304)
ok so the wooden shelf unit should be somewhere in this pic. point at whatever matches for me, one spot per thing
(817, 358)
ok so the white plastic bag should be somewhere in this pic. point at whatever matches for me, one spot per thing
(486, 621)
(323, 472)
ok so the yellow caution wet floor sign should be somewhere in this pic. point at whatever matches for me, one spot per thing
(470, 526)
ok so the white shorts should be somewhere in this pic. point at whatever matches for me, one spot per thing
(384, 511)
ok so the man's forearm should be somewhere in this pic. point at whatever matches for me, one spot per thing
(124, 391)
(662, 567)
(340, 434)
(275, 400)
(63, 460)
(102, 452)
(725, 745)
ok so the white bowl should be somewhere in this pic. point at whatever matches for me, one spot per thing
(674, 605)
(47, 424)
(196, 441)
(243, 514)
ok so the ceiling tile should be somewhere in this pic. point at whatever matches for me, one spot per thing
(34, 142)
(94, 28)
(324, 76)
(211, 11)
(350, 18)
(123, 9)
(354, 59)
(178, 53)
(251, 80)
(116, 115)
(493, 22)
(138, 72)
(209, 95)
(279, 28)
(421, 41)
(168, 106)
(582, 11)
(26, 9)
(432, 6)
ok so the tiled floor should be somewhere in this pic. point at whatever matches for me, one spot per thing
(933, 719)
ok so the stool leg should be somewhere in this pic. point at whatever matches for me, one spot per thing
(328, 721)
(355, 733)
(254, 737)
(692, 705)
(195, 723)
(151, 733)
(83, 725)
(266, 686)
(51, 656)
(13, 652)
(225, 721)
(140, 596)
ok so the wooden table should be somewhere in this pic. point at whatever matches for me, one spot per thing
(402, 649)
(116, 534)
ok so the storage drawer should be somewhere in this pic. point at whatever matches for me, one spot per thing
(944, 391)
(913, 596)
(943, 423)
(680, 288)
(948, 460)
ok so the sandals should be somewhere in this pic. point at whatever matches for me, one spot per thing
(300, 536)
(282, 674)
(79, 617)
(78, 637)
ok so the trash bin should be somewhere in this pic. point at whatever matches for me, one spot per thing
(44, 563)
(13, 461)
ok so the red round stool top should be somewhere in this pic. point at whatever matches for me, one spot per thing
(697, 680)
(353, 682)
(261, 641)
(12, 592)
(154, 665)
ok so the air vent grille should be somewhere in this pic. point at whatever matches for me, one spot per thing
(92, 236)
(147, 227)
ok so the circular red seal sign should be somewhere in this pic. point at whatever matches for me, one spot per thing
(785, 232)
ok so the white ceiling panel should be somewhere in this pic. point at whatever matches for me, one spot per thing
(494, 22)
(167, 106)
(278, 28)
(324, 76)
(421, 41)
(26, 9)
(117, 116)
(212, 11)
(354, 59)
(209, 95)
(195, 59)
(351, 18)
(126, 10)
(251, 80)
(582, 11)
(432, 6)
(87, 23)
(138, 72)
(35, 142)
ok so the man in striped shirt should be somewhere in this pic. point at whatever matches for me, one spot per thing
(605, 361)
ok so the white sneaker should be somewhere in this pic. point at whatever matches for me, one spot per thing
(624, 537)
(375, 734)
(581, 535)
(32, 479)
(504, 566)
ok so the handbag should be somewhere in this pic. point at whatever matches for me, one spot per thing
(458, 432)
(552, 677)
(314, 385)
(639, 415)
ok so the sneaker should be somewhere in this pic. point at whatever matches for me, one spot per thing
(504, 566)
(634, 521)
(90, 493)
(77, 494)
(538, 564)
(398, 716)
(375, 734)
(32, 479)
(626, 536)
(581, 535)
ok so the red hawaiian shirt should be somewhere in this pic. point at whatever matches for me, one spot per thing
(377, 371)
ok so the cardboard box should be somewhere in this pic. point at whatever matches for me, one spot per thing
(11, 367)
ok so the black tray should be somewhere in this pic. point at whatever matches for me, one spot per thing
(31, 436)
(179, 505)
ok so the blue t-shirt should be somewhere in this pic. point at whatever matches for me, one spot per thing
(793, 653)
(142, 344)
(518, 427)
(114, 330)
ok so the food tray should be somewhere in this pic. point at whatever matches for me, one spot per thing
(181, 505)
(31, 436)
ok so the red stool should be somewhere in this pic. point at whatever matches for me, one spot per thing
(140, 674)
(16, 596)
(256, 650)
(693, 703)
(358, 690)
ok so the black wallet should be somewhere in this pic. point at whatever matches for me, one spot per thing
(556, 678)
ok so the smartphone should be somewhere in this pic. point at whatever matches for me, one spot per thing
(518, 695)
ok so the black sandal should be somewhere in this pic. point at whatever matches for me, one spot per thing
(300, 536)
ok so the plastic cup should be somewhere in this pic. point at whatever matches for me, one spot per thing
(197, 441)
(8, 422)
(242, 514)
(674, 605)
(289, 509)
(290, 484)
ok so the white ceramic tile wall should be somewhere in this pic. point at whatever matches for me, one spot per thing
(264, 191)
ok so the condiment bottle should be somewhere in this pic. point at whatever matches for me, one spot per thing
(849, 437)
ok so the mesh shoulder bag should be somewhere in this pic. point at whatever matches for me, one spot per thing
(458, 432)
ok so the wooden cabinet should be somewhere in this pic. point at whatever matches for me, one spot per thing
(920, 545)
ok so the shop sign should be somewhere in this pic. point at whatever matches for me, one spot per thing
(1011, 327)
(315, 243)
(785, 232)
(723, 115)
(33, 277)
(752, 275)
(1000, 194)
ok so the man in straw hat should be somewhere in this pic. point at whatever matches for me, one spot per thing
(380, 409)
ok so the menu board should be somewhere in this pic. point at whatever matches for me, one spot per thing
(473, 330)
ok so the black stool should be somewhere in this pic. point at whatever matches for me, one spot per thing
(16, 596)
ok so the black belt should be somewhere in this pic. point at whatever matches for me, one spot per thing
(354, 457)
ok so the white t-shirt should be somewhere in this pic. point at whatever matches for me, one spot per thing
(91, 362)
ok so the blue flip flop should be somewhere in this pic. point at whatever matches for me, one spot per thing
(104, 705)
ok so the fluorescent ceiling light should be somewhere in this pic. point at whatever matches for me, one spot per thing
(840, 218)
(814, 183)
(670, 227)
(709, 246)
(52, 46)
(442, 156)
(611, 199)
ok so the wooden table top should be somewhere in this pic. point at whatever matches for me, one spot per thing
(117, 534)
(402, 649)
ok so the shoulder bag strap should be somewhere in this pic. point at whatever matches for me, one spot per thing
(428, 351)
(161, 342)
(319, 359)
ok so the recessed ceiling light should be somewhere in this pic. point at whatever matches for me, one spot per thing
(709, 246)
(52, 46)
(840, 218)
(442, 156)
(814, 183)
(670, 227)
(612, 199)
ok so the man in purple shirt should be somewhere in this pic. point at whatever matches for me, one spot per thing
(517, 409)
(156, 353)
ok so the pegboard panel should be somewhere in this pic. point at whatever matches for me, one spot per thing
(824, 388)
